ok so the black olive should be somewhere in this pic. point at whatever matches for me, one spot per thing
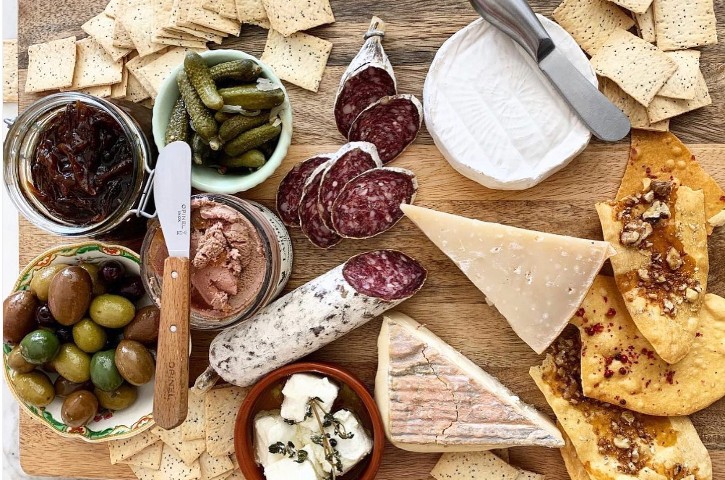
(65, 334)
(111, 272)
(113, 337)
(130, 287)
(44, 317)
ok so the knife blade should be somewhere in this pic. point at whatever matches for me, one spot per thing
(172, 194)
(517, 20)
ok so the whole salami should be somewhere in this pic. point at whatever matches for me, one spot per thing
(370, 203)
(368, 78)
(313, 315)
(289, 192)
(391, 124)
(310, 217)
(350, 161)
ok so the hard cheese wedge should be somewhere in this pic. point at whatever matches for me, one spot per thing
(536, 280)
(433, 399)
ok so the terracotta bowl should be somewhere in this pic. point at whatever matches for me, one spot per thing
(267, 395)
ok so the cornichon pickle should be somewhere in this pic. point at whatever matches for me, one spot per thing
(250, 97)
(200, 151)
(200, 78)
(202, 121)
(240, 70)
(178, 127)
(222, 117)
(252, 139)
(238, 124)
(251, 159)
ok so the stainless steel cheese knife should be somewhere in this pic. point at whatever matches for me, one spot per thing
(172, 194)
(517, 20)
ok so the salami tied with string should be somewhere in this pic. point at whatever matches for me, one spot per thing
(368, 78)
(370, 203)
(349, 162)
(391, 124)
(291, 188)
(310, 219)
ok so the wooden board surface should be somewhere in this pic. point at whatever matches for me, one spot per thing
(449, 304)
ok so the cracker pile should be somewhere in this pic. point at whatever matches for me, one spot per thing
(133, 45)
(652, 76)
(201, 448)
(455, 466)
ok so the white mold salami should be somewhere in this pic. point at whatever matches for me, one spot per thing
(290, 190)
(391, 124)
(368, 78)
(350, 161)
(310, 218)
(314, 315)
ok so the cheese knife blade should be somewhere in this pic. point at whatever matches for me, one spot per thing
(172, 194)
(517, 20)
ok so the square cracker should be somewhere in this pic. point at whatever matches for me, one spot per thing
(123, 449)
(663, 107)
(180, 42)
(149, 457)
(681, 24)
(453, 466)
(636, 112)
(135, 91)
(213, 467)
(683, 83)
(221, 407)
(194, 427)
(94, 66)
(51, 65)
(635, 6)
(300, 58)
(135, 64)
(290, 16)
(195, 14)
(252, 12)
(100, 28)
(121, 38)
(141, 19)
(646, 25)
(171, 467)
(155, 72)
(188, 451)
(591, 22)
(102, 91)
(638, 67)
(10, 71)
(119, 90)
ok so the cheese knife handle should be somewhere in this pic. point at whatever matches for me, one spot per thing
(517, 20)
(171, 386)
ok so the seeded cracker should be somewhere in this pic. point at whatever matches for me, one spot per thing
(94, 66)
(198, 15)
(121, 38)
(10, 71)
(646, 25)
(290, 16)
(636, 112)
(180, 42)
(113, 7)
(172, 468)
(123, 449)
(149, 457)
(194, 427)
(663, 107)
(453, 466)
(141, 19)
(636, 6)
(102, 91)
(683, 83)
(51, 65)
(299, 58)
(188, 451)
(591, 22)
(252, 12)
(135, 92)
(119, 90)
(134, 66)
(100, 28)
(158, 70)
(221, 408)
(212, 467)
(638, 67)
(684, 24)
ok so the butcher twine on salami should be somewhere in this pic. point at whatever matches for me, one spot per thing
(391, 123)
(350, 161)
(290, 189)
(313, 315)
(310, 219)
(370, 203)
(368, 78)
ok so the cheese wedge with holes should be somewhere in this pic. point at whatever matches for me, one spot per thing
(434, 399)
(536, 280)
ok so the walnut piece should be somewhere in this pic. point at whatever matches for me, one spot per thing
(635, 232)
(643, 274)
(668, 306)
(691, 295)
(621, 442)
(674, 260)
(657, 211)
(662, 189)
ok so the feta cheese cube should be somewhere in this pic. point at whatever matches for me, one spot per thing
(287, 469)
(299, 389)
(270, 428)
(354, 449)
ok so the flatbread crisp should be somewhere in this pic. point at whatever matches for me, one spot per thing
(574, 467)
(683, 83)
(10, 71)
(300, 58)
(634, 110)
(591, 22)
(637, 66)
(290, 16)
(51, 65)
(681, 24)
(100, 28)
(94, 66)
(222, 406)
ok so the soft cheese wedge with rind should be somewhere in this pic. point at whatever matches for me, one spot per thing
(434, 399)
(536, 280)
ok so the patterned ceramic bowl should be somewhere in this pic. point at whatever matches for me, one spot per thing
(107, 425)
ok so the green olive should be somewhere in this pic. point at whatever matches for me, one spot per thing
(69, 295)
(112, 311)
(134, 362)
(17, 362)
(92, 269)
(72, 363)
(89, 336)
(34, 388)
(79, 408)
(104, 373)
(64, 387)
(122, 397)
(39, 347)
(19, 315)
(40, 283)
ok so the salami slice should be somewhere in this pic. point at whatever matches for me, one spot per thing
(350, 161)
(310, 219)
(314, 315)
(289, 192)
(370, 203)
(391, 124)
(368, 78)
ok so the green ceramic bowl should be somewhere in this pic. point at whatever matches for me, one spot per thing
(208, 179)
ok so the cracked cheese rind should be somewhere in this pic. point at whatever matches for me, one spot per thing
(433, 399)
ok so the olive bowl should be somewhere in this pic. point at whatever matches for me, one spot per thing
(107, 425)
(208, 179)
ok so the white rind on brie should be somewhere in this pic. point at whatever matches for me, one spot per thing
(434, 399)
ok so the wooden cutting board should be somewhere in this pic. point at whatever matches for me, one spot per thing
(449, 304)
